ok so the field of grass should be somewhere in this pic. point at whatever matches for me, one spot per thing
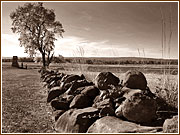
(24, 107)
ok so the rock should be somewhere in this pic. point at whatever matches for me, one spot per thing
(15, 62)
(79, 90)
(77, 84)
(164, 106)
(54, 83)
(67, 98)
(105, 79)
(56, 114)
(59, 105)
(135, 80)
(52, 78)
(49, 77)
(101, 104)
(171, 125)
(106, 111)
(63, 80)
(119, 100)
(91, 91)
(66, 86)
(81, 101)
(54, 92)
(106, 107)
(76, 120)
(119, 111)
(72, 78)
(42, 71)
(104, 95)
(137, 107)
(110, 93)
(110, 124)
(65, 77)
(127, 92)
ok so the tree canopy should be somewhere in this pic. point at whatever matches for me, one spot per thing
(37, 28)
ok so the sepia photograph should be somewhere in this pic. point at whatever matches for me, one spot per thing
(90, 67)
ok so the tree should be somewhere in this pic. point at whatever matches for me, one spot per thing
(37, 28)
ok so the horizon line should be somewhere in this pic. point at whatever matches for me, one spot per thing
(99, 57)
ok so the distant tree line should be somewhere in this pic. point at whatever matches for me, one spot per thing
(119, 62)
(61, 59)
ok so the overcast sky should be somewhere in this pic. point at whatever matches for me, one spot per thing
(103, 29)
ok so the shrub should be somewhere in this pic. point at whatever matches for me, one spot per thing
(168, 90)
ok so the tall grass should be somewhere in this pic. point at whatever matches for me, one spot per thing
(168, 88)
(80, 52)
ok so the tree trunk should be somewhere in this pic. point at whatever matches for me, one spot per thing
(44, 59)
(49, 58)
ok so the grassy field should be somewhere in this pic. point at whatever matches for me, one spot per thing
(24, 107)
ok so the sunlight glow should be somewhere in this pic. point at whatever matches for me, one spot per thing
(68, 47)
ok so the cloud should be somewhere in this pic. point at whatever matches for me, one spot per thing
(86, 15)
(10, 46)
(70, 46)
(86, 28)
(74, 46)
(13, 39)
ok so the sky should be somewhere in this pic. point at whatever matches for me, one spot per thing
(103, 29)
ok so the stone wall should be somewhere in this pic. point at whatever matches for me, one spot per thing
(107, 105)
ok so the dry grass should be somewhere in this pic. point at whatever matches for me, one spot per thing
(24, 108)
(168, 89)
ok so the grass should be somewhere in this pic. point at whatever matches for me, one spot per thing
(24, 107)
(168, 89)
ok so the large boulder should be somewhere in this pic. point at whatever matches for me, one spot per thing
(110, 124)
(171, 125)
(137, 107)
(81, 101)
(90, 91)
(59, 105)
(72, 78)
(105, 79)
(135, 80)
(77, 84)
(56, 114)
(76, 120)
(55, 92)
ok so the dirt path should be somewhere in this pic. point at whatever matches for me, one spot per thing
(24, 108)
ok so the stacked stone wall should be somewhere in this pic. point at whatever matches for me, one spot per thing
(107, 105)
